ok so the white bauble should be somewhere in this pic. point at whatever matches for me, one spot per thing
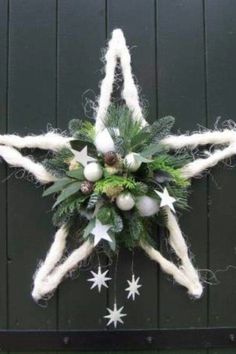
(132, 162)
(125, 201)
(104, 142)
(93, 172)
(147, 206)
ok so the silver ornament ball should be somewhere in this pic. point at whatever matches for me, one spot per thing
(125, 201)
(93, 172)
(147, 206)
(131, 162)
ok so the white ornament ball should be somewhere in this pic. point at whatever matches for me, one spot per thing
(104, 142)
(132, 162)
(93, 172)
(125, 201)
(147, 206)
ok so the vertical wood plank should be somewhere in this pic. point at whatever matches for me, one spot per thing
(3, 186)
(32, 58)
(81, 35)
(181, 93)
(137, 19)
(221, 82)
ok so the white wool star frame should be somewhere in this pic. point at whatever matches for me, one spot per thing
(54, 268)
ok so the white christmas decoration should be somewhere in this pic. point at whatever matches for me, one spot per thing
(166, 199)
(147, 206)
(115, 315)
(133, 287)
(100, 232)
(82, 156)
(125, 201)
(99, 279)
(132, 162)
(55, 267)
(104, 142)
(93, 172)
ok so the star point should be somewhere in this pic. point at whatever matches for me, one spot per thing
(133, 287)
(99, 279)
(100, 232)
(166, 199)
(115, 315)
(82, 156)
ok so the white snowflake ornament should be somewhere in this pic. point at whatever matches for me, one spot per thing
(133, 287)
(99, 279)
(115, 315)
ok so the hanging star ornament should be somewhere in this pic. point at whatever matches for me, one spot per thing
(83, 157)
(166, 199)
(115, 315)
(133, 287)
(99, 279)
(100, 232)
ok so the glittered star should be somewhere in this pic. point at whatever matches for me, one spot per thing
(133, 287)
(100, 232)
(166, 199)
(99, 279)
(115, 315)
(82, 156)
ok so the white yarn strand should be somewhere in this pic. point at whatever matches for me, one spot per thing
(117, 49)
(50, 141)
(53, 257)
(196, 167)
(168, 267)
(177, 242)
(200, 139)
(14, 158)
(50, 273)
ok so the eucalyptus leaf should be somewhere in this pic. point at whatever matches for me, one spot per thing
(57, 186)
(77, 174)
(89, 228)
(71, 189)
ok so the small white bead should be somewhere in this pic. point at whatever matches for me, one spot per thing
(93, 172)
(125, 201)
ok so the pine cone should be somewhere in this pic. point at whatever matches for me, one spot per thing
(110, 158)
(86, 187)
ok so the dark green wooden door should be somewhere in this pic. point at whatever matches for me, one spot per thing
(184, 54)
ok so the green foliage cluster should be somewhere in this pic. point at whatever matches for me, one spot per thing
(128, 228)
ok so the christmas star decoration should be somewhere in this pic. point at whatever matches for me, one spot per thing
(100, 232)
(115, 315)
(83, 157)
(133, 287)
(166, 199)
(99, 279)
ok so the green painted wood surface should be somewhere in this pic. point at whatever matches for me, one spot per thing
(183, 56)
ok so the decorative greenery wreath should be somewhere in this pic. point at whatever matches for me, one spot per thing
(117, 178)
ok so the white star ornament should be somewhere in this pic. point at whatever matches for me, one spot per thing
(115, 315)
(99, 279)
(82, 156)
(166, 199)
(100, 232)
